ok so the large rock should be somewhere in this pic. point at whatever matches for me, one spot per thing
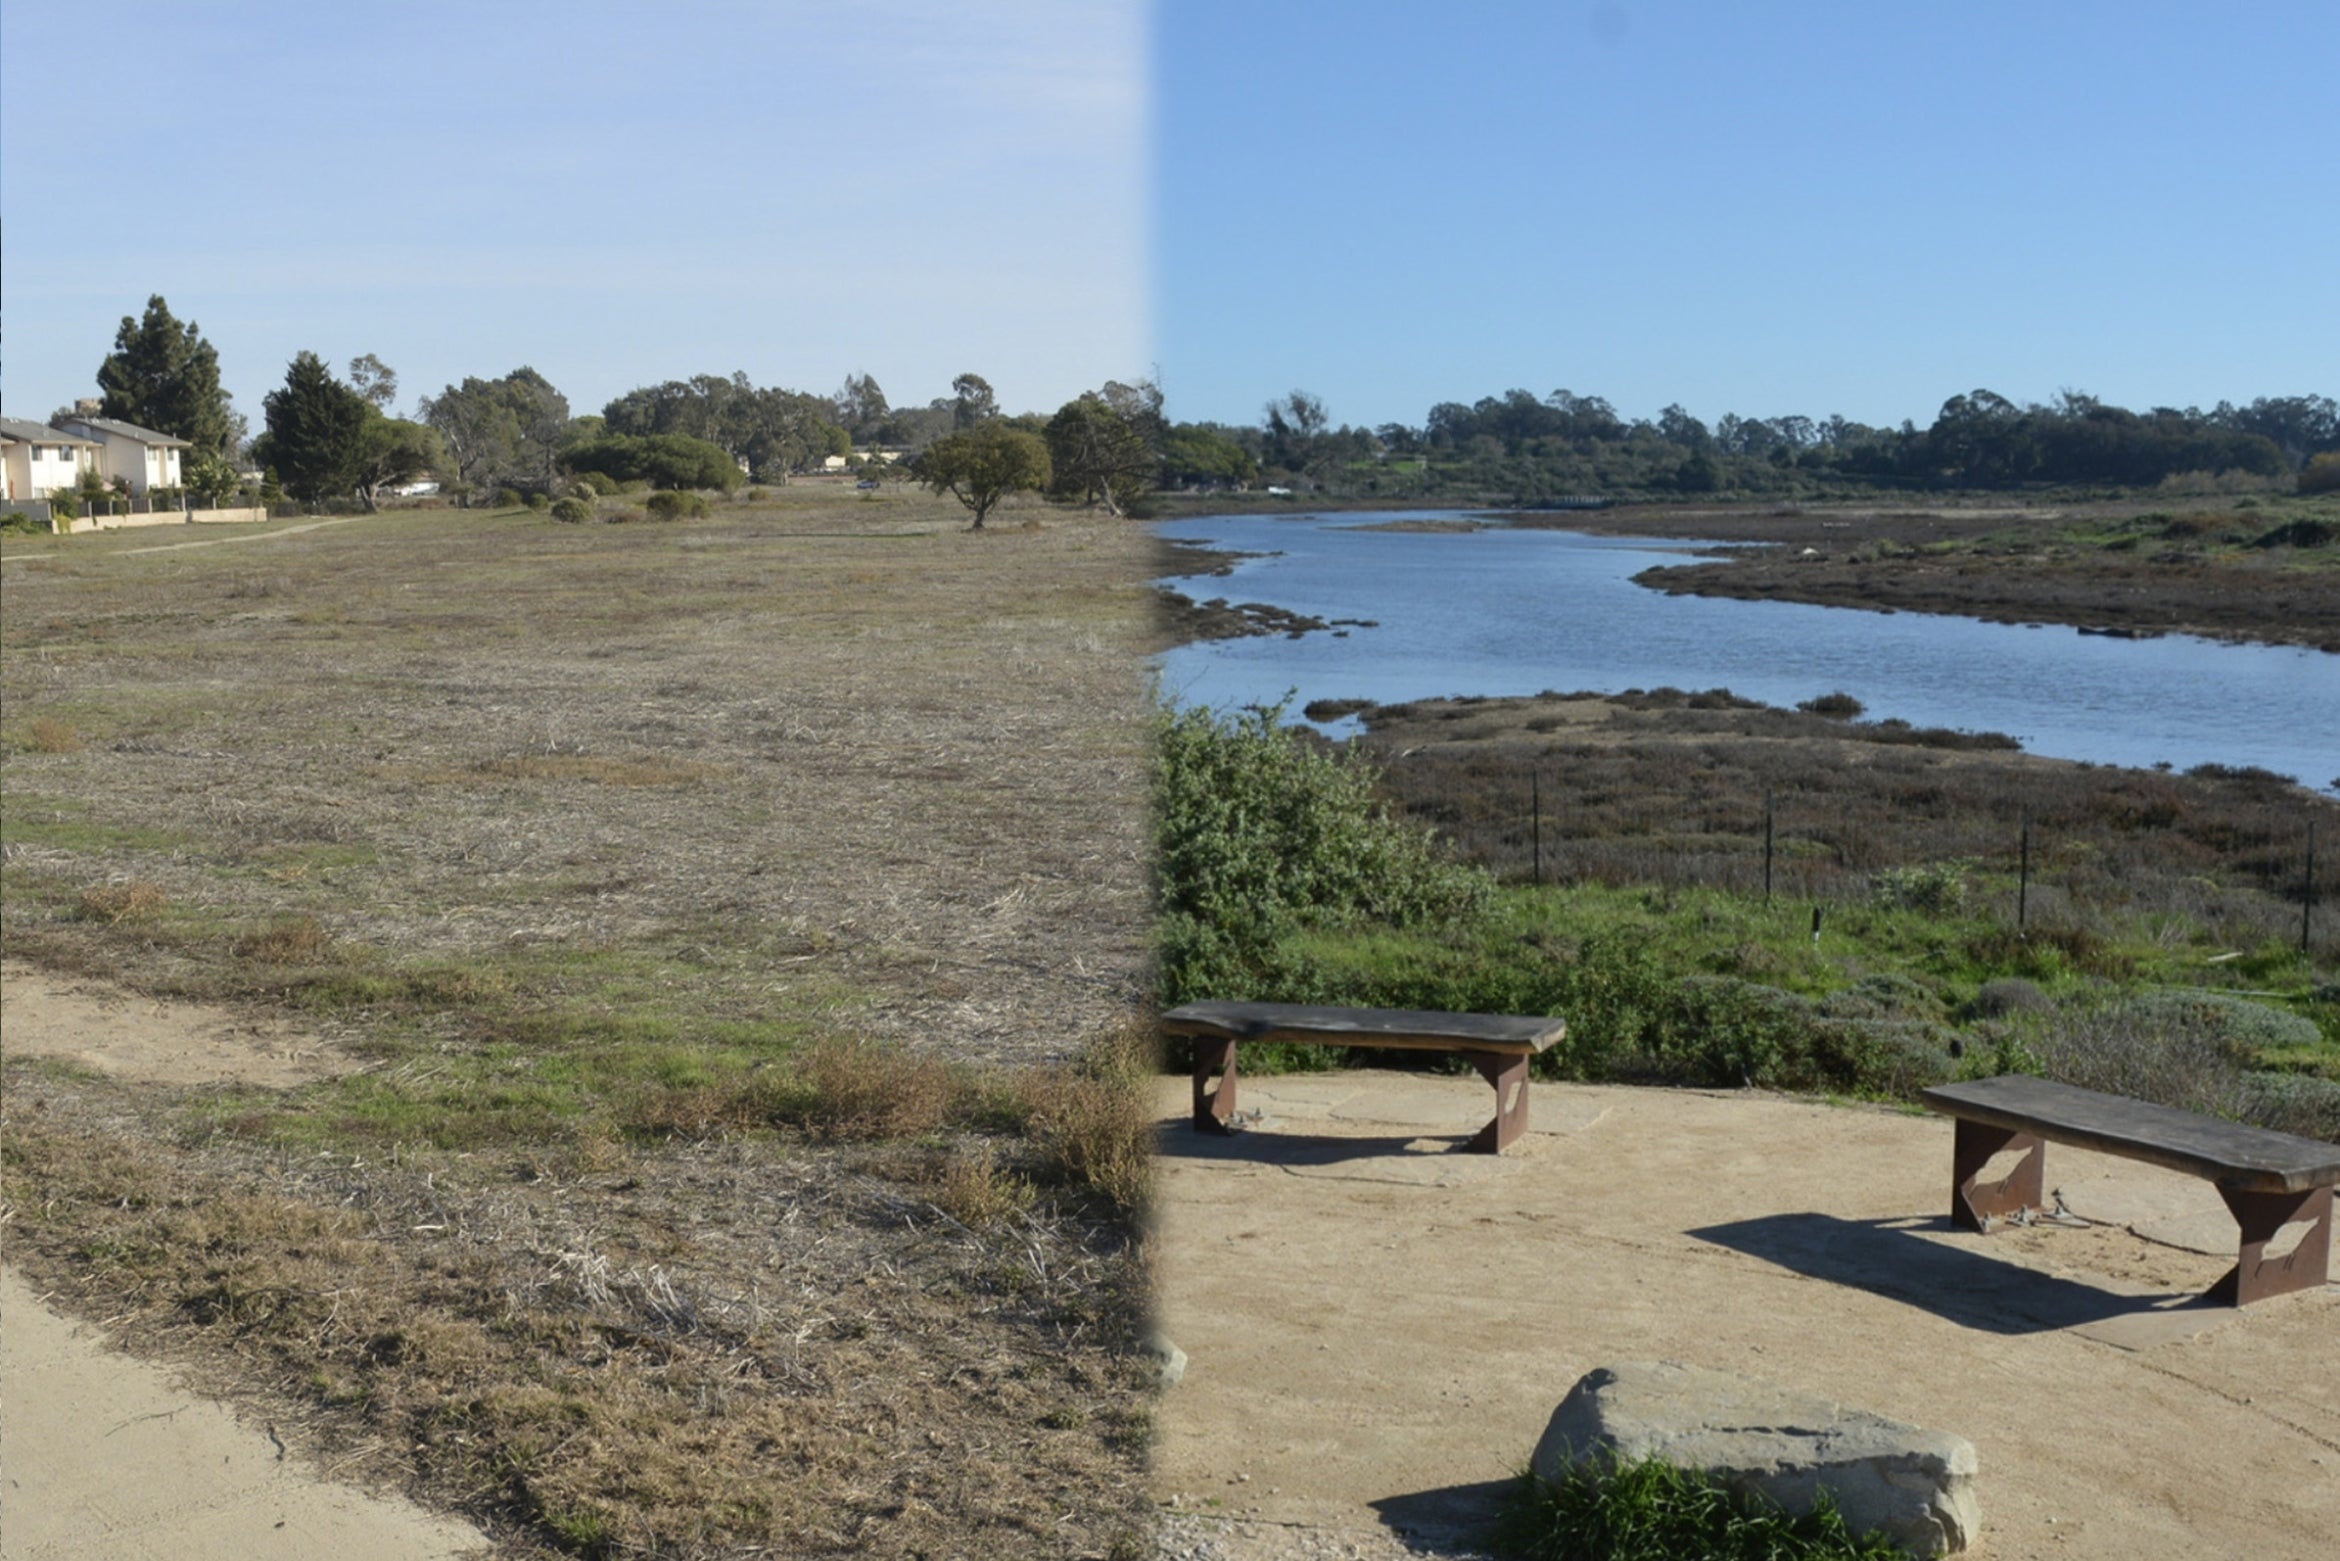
(1915, 1485)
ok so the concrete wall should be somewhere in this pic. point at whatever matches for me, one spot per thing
(167, 517)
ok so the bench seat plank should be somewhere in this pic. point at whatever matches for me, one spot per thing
(1309, 1024)
(2232, 1154)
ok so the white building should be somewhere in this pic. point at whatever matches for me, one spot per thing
(146, 459)
(36, 460)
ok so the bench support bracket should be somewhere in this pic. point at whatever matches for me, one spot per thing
(1977, 1205)
(1214, 1109)
(1508, 1072)
(2307, 1266)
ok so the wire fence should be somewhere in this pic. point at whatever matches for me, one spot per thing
(2070, 854)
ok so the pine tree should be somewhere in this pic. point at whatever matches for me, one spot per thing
(164, 376)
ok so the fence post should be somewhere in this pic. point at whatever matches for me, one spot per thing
(1536, 822)
(2023, 881)
(2307, 898)
(1767, 815)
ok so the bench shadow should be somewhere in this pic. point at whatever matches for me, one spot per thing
(1178, 1140)
(1892, 1258)
(1451, 1515)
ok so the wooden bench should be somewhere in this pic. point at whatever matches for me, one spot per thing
(1500, 1046)
(2269, 1180)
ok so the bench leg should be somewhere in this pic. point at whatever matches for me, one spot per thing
(2256, 1276)
(1508, 1072)
(1213, 1108)
(1975, 1204)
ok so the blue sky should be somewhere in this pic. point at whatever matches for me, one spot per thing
(613, 193)
(1821, 207)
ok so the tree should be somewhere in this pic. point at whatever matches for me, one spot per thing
(774, 432)
(165, 376)
(984, 465)
(972, 402)
(375, 380)
(860, 407)
(1200, 455)
(391, 450)
(315, 423)
(1105, 446)
(507, 432)
(662, 460)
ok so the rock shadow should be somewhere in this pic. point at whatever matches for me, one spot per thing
(1894, 1258)
(1455, 1517)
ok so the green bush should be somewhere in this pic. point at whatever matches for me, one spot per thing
(509, 498)
(1601, 1510)
(1260, 835)
(669, 504)
(572, 511)
(2293, 1103)
(663, 460)
(1936, 888)
(602, 484)
(540, 502)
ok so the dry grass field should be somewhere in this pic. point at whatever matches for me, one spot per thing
(734, 926)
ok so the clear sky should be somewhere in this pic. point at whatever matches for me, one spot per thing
(1832, 206)
(612, 192)
(1855, 206)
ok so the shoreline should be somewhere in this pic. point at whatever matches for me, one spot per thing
(2169, 567)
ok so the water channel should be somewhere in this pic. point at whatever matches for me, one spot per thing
(1516, 611)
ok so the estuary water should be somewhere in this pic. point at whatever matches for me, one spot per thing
(1505, 611)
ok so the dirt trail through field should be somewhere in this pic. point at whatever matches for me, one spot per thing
(104, 1455)
(1378, 1327)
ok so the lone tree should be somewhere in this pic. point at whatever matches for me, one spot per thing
(985, 464)
(1106, 445)
(165, 376)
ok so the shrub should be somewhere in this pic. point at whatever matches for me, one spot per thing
(1936, 888)
(2013, 995)
(572, 511)
(2293, 1103)
(540, 502)
(1259, 834)
(509, 498)
(1602, 1510)
(2322, 474)
(134, 900)
(2185, 1049)
(1839, 706)
(47, 734)
(601, 483)
(672, 505)
(663, 460)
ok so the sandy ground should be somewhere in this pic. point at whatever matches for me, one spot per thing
(1378, 1328)
(103, 1455)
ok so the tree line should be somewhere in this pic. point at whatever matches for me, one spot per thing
(329, 436)
(1525, 448)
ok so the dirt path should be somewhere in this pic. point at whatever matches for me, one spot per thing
(104, 1455)
(1378, 1328)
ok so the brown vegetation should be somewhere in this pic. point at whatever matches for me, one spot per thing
(721, 912)
(1665, 787)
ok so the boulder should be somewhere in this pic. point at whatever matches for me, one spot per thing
(1169, 1360)
(1914, 1485)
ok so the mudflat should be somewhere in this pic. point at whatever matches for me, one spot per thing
(1378, 1327)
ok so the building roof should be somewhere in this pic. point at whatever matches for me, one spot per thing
(17, 429)
(122, 430)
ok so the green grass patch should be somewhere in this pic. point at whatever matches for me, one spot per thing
(1655, 1512)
